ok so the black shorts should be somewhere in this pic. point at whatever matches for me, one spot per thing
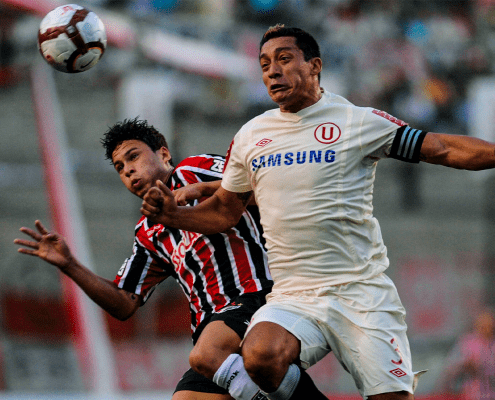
(236, 315)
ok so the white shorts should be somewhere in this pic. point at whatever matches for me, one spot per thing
(363, 323)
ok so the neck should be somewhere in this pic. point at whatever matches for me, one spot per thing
(311, 98)
(167, 174)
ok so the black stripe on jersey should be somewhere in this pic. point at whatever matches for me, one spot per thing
(407, 144)
(168, 267)
(223, 261)
(198, 284)
(206, 177)
(257, 254)
(255, 214)
(176, 233)
(138, 264)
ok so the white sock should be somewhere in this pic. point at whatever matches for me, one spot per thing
(233, 376)
(288, 384)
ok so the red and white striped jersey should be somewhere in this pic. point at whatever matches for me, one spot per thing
(211, 269)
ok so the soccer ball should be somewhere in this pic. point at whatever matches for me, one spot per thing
(72, 38)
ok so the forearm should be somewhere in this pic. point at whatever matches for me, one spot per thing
(216, 214)
(207, 218)
(117, 302)
(209, 188)
(455, 151)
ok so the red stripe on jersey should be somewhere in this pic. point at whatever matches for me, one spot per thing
(154, 276)
(189, 176)
(204, 161)
(242, 259)
(227, 156)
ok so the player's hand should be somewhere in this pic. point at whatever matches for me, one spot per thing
(159, 204)
(48, 246)
(187, 193)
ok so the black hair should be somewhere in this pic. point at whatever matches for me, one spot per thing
(132, 129)
(304, 40)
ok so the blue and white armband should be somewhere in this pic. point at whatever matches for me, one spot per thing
(407, 144)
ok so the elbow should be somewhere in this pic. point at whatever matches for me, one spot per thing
(127, 306)
(122, 314)
(231, 221)
(124, 317)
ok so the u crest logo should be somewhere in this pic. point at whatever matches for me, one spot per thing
(327, 133)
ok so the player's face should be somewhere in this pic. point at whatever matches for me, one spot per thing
(291, 81)
(139, 167)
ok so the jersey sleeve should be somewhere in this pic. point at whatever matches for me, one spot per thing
(235, 176)
(378, 130)
(142, 272)
(200, 168)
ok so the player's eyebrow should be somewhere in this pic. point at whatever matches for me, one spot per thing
(277, 50)
(125, 155)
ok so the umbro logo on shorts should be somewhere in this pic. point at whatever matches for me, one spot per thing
(398, 372)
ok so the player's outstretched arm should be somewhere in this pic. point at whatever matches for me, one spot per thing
(457, 151)
(216, 214)
(52, 248)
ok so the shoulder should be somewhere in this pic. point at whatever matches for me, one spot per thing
(267, 117)
(380, 115)
(145, 228)
(140, 224)
(203, 162)
(202, 167)
(335, 99)
(199, 161)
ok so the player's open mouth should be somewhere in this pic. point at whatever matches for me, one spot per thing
(136, 183)
(277, 88)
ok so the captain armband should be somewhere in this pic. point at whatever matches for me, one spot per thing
(407, 144)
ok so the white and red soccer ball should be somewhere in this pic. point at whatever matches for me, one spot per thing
(72, 38)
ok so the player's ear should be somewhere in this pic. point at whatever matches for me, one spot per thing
(164, 154)
(316, 65)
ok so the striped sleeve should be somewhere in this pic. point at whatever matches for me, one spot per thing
(200, 168)
(141, 272)
(407, 144)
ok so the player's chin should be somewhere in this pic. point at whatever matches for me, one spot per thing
(280, 97)
(141, 192)
(277, 98)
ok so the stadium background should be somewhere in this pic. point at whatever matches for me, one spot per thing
(190, 68)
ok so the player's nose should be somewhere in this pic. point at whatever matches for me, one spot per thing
(274, 71)
(129, 170)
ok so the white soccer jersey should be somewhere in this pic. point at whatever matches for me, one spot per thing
(312, 173)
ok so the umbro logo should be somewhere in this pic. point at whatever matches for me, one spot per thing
(398, 372)
(263, 142)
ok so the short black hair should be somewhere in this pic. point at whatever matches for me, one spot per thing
(132, 129)
(304, 40)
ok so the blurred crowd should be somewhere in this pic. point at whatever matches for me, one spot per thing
(413, 58)
(470, 367)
